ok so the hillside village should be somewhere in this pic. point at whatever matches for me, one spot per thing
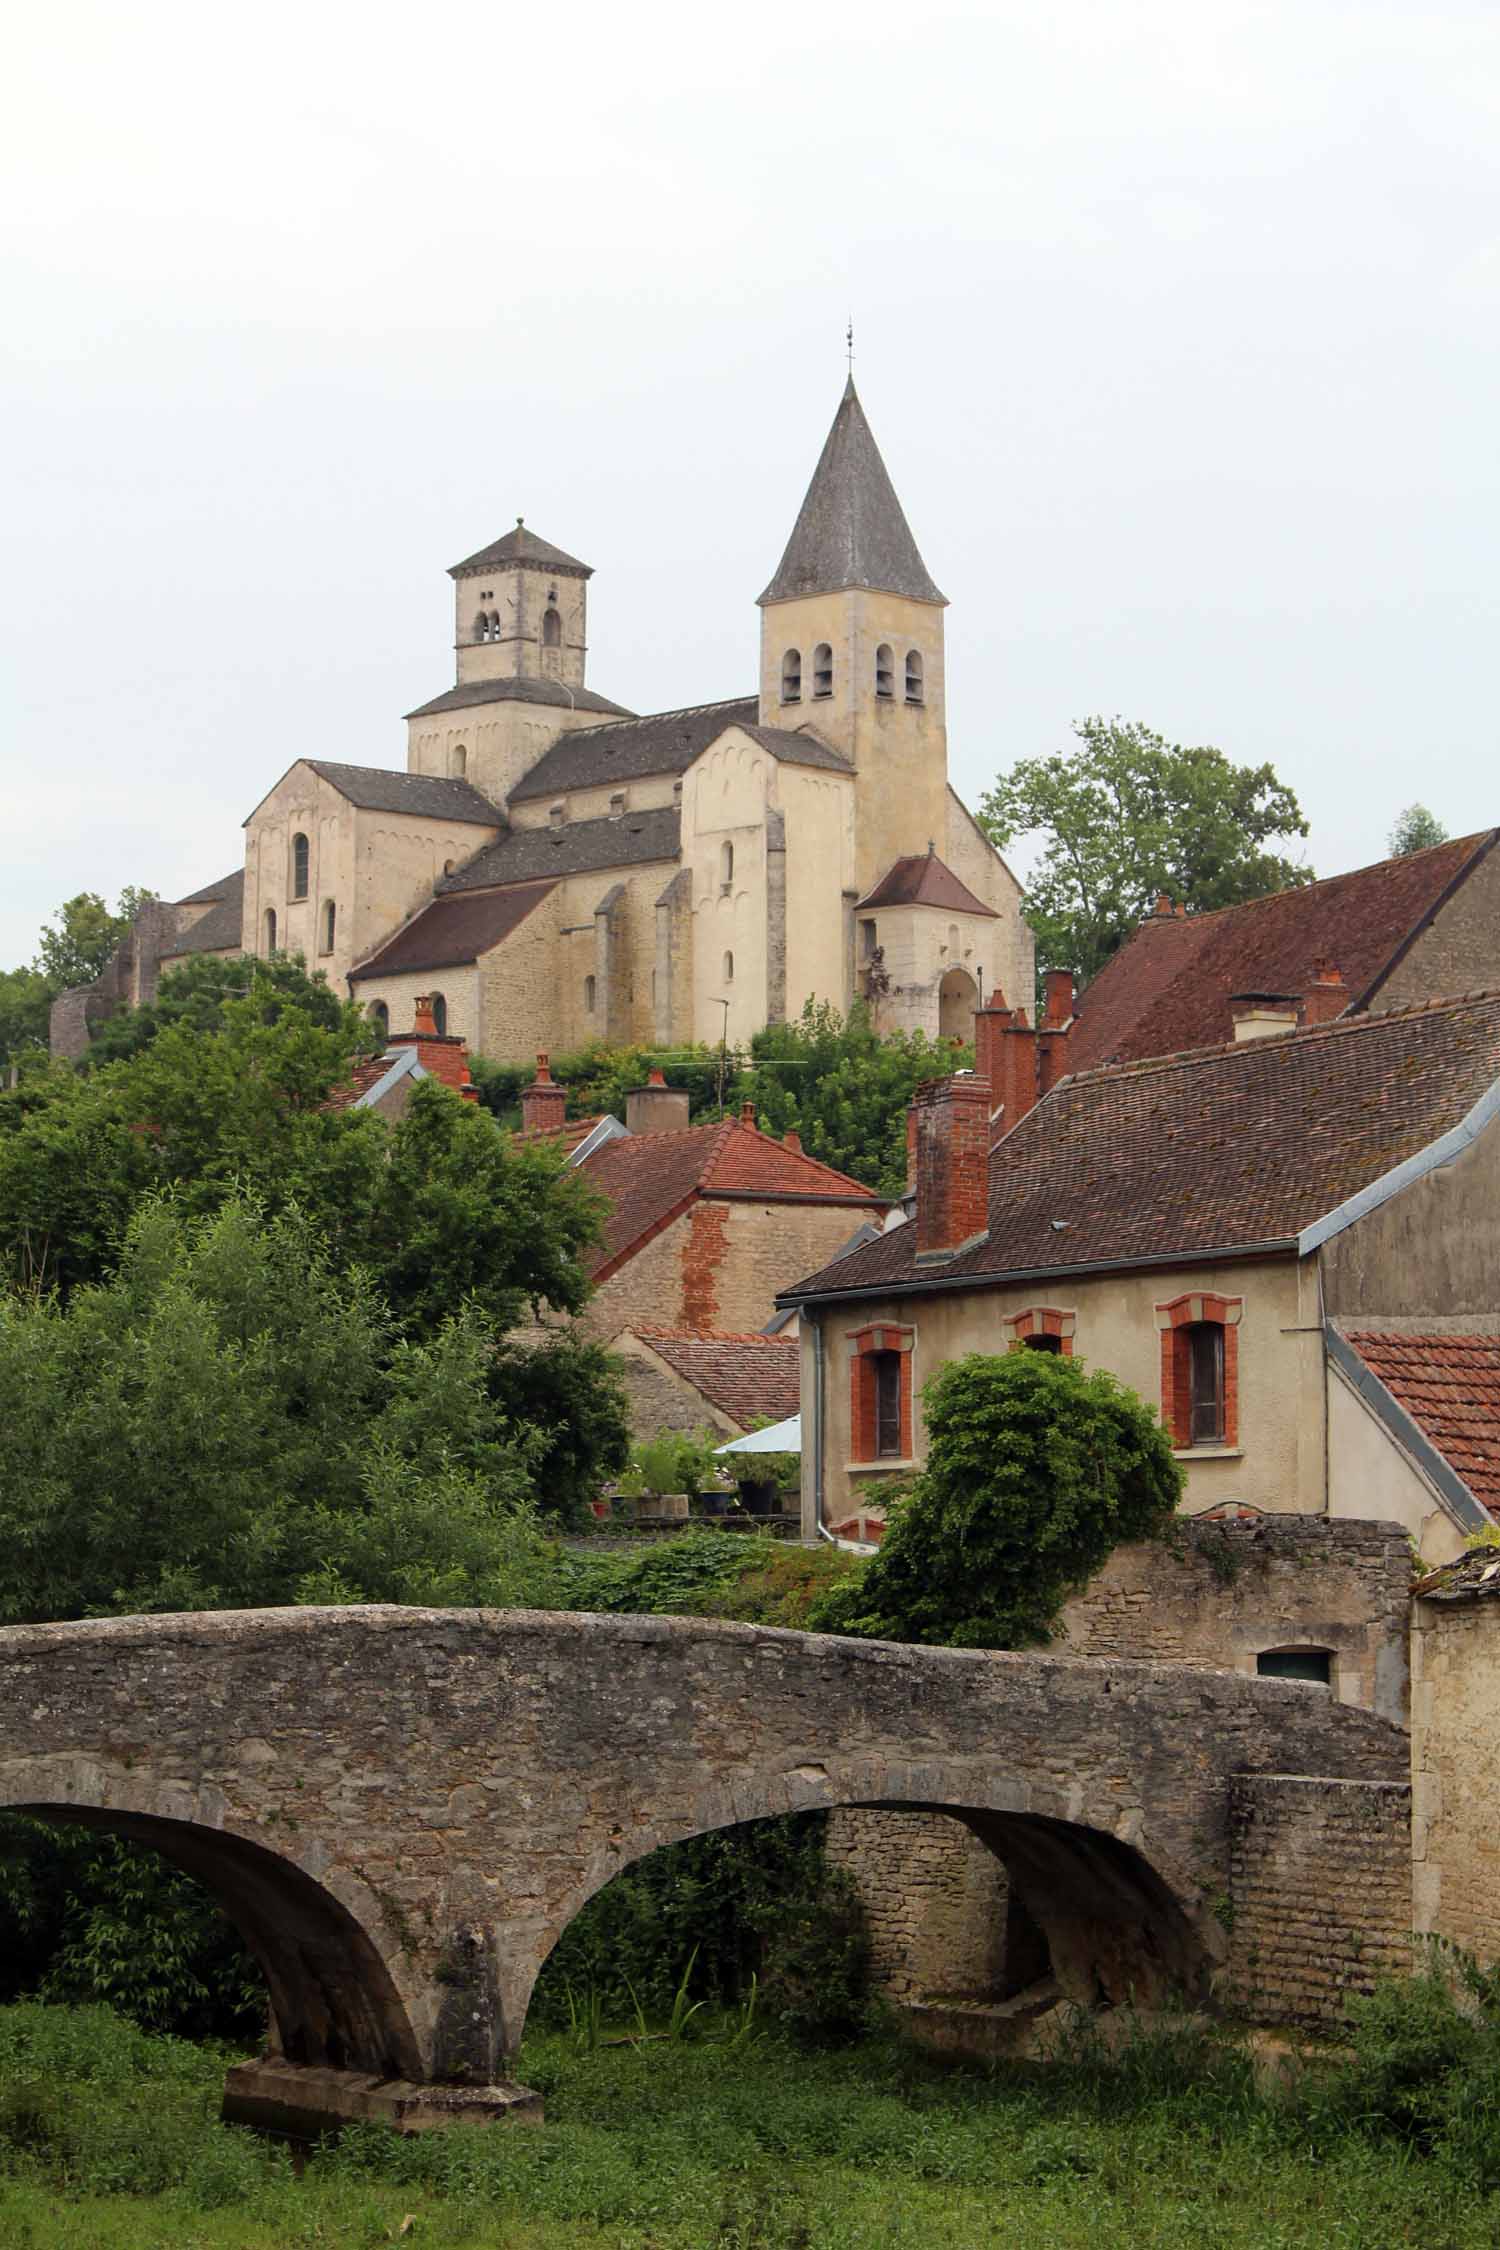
(1252, 1170)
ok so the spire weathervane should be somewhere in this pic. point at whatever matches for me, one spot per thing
(849, 342)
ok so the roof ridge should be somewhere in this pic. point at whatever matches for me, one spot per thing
(1199, 920)
(713, 1336)
(1141, 1066)
(649, 718)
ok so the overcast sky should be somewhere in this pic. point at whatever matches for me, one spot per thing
(1178, 325)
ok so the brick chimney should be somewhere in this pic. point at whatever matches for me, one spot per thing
(953, 1164)
(1005, 1057)
(656, 1107)
(747, 1116)
(793, 1141)
(544, 1104)
(441, 1054)
(1327, 996)
(1057, 1011)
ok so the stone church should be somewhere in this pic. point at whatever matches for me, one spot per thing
(553, 869)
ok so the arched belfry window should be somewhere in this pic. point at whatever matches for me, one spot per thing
(726, 866)
(458, 761)
(482, 626)
(791, 676)
(270, 929)
(301, 855)
(913, 675)
(551, 630)
(822, 669)
(885, 671)
(330, 924)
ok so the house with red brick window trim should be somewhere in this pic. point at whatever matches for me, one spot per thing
(1214, 1227)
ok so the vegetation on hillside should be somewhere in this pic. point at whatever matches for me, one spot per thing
(72, 949)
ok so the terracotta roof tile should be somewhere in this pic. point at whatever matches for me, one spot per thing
(1218, 1150)
(921, 879)
(1450, 1386)
(452, 931)
(744, 1376)
(1169, 986)
(647, 1176)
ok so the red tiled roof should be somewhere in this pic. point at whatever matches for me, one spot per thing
(1450, 1386)
(648, 1176)
(363, 1076)
(570, 1132)
(744, 1376)
(1223, 1150)
(921, 879)
(455, 928)
(1169, 986)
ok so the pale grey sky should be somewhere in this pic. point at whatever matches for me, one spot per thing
(1177, 324)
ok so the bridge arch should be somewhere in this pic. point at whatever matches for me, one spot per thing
(1123, 1924)
(330, 1961)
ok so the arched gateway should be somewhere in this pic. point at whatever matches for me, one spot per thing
(402, 1809)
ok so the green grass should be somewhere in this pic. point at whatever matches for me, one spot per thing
(109, 2141)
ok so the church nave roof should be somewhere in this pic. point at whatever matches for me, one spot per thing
(519, 691)
(452, 930)
(583, 847)
(427, 796)
(661, 742)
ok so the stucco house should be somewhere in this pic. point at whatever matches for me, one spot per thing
(1215, 1227)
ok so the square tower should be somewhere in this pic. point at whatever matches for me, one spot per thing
(521, 611)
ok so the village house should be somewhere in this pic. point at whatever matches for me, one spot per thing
(552, 869)
(1226, 1230)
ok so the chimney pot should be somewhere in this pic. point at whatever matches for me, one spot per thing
(1057, 985)
(747, 1115)
(544, 1104)
(1327, 996)
(656, 1107)
(793, 1141)
(424, 1019)
(1005, 1058)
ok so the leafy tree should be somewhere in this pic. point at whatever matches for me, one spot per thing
(25, 1003)
(844, 1088)
(1417, 830)
(232, 1421)
(1128, 816)
(567, 1394)
(76, 945)
(194, 995)
(598, 1079)
(1037, 1468)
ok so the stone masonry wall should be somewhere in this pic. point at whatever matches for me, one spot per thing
(1459, 951)
(1455, 1774)
(1319, 1901)
(1222, 1592)
(934, 1896)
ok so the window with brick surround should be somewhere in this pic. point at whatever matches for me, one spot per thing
(1200, 1370)
(880, 1409)
(1043, 1328)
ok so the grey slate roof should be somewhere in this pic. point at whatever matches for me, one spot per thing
(851, 531)
(519, 691)
(662, 742)
(221, 929)
(527, 854)
(425, 796)
(524, 546)
(793, 748)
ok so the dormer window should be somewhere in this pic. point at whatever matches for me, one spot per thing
(791, 676)
(301, 855)
(885, 671)
(822, 669)
(913, 675)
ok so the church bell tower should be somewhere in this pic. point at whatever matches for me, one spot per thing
(521, 611)
(852, 646)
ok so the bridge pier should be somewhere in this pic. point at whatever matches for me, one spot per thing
(307, 2100)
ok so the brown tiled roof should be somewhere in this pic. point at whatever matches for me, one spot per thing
(233, 881)
(744, 1376)
(453, 930)
(1224, 1150)
(1450, 1386)
(424, 796)
(569, 1134)
(521, 545)
(1169, 986)
(517, 691)
(662, 742)
(648, 1177)
(921, 879)
(582, 847)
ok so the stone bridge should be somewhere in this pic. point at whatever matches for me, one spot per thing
(402, 1809)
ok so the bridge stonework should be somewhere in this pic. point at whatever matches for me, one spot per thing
(403, 1809)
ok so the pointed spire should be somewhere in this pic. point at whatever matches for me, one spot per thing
(851, 531)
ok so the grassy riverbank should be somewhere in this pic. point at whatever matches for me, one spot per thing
(109, 2141)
